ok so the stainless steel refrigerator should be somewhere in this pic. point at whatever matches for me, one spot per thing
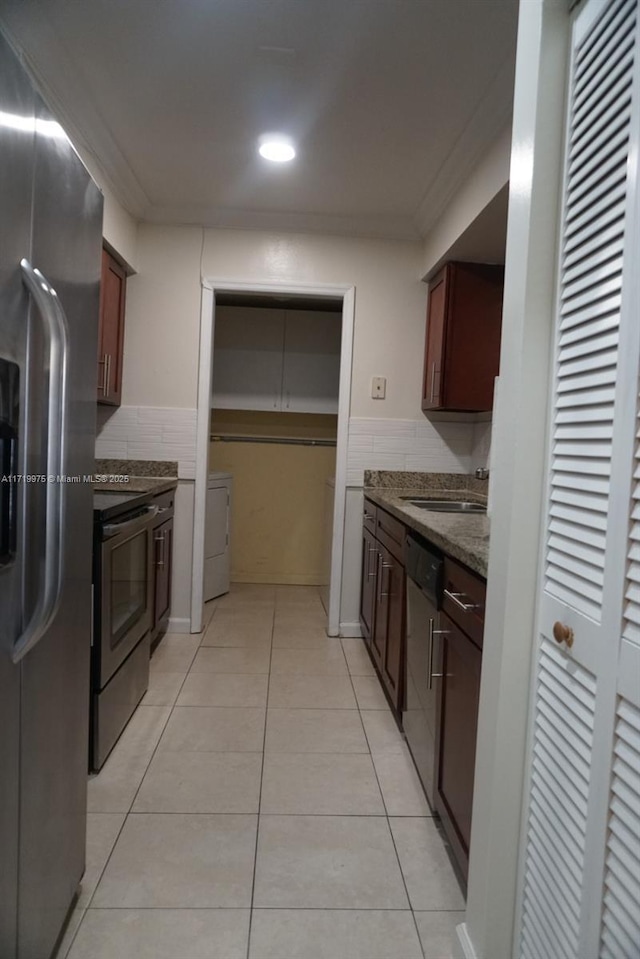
(50, 245)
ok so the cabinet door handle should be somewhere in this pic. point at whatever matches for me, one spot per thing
(430, 673)
(466, 607)
(108, 374)
(103, 387)
(433, 382)
(383, 567)
(372, 549)
(159, 538)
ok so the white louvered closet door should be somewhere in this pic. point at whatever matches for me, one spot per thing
(578, 850)
(620, 931)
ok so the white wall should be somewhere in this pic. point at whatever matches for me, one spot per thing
(488, 178)
(389, 326)
(163, 307)
(180, 621)
(390, 300)
(163, 328)
(163, 319)
(481, 445)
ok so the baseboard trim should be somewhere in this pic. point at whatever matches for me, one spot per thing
(350, 630)
(179, 625)
(462, 947)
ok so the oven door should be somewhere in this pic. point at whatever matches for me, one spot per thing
(126, 590)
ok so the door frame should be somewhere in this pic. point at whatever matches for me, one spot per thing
(211, 286)
(518, 455)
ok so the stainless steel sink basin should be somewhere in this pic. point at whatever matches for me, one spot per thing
(445, 505)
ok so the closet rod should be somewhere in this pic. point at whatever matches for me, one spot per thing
(285, 440)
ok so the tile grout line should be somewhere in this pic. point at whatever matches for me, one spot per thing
(131, 804)
(260, 909)
(264, 741)
(126, 814)
(129, 812)
(384, 803)
(252, 907)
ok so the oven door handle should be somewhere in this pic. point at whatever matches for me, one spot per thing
(56, 330)
(125, 526)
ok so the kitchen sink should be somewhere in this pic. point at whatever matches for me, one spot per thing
(445, 505)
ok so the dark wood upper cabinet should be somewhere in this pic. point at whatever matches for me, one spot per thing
(462, 349)
(111, 330)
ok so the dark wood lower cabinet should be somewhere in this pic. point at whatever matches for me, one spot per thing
(162, 565)
(369, 573)
(457, 666)
(382, 612)
(456, 729)
(392, 615)
(163, 545)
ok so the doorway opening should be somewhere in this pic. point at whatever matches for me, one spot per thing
(273, 408)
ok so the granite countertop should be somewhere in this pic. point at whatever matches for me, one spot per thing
(135, 476)
(463, 537)
(136, 484)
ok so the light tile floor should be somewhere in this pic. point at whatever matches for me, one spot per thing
(262, 804)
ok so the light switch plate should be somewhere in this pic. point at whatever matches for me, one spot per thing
(378, 387)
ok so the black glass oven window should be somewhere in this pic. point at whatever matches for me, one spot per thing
(9, 415)
(128, 585)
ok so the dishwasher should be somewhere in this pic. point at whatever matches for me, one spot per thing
(424, 566)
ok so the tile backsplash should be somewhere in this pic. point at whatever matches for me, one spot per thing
(148, 433)
(154, 433)
(415, 445)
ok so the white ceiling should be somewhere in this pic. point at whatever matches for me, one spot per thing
(391, 103)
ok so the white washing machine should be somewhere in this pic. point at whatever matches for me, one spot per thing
(217, 535)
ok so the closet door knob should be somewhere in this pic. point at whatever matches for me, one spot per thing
(563, 634)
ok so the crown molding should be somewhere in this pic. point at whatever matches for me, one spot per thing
(372, 227)
(56, 75)
(486, 124)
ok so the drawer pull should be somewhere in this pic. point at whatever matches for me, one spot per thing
(455, 598)
(368, 516)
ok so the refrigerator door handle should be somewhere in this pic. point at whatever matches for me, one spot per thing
(57, 334)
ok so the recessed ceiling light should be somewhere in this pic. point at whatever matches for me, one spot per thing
(278, 149)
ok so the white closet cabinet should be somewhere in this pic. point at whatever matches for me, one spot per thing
(579, 894)
(311, 373)
(247, 359)
(276, 360)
